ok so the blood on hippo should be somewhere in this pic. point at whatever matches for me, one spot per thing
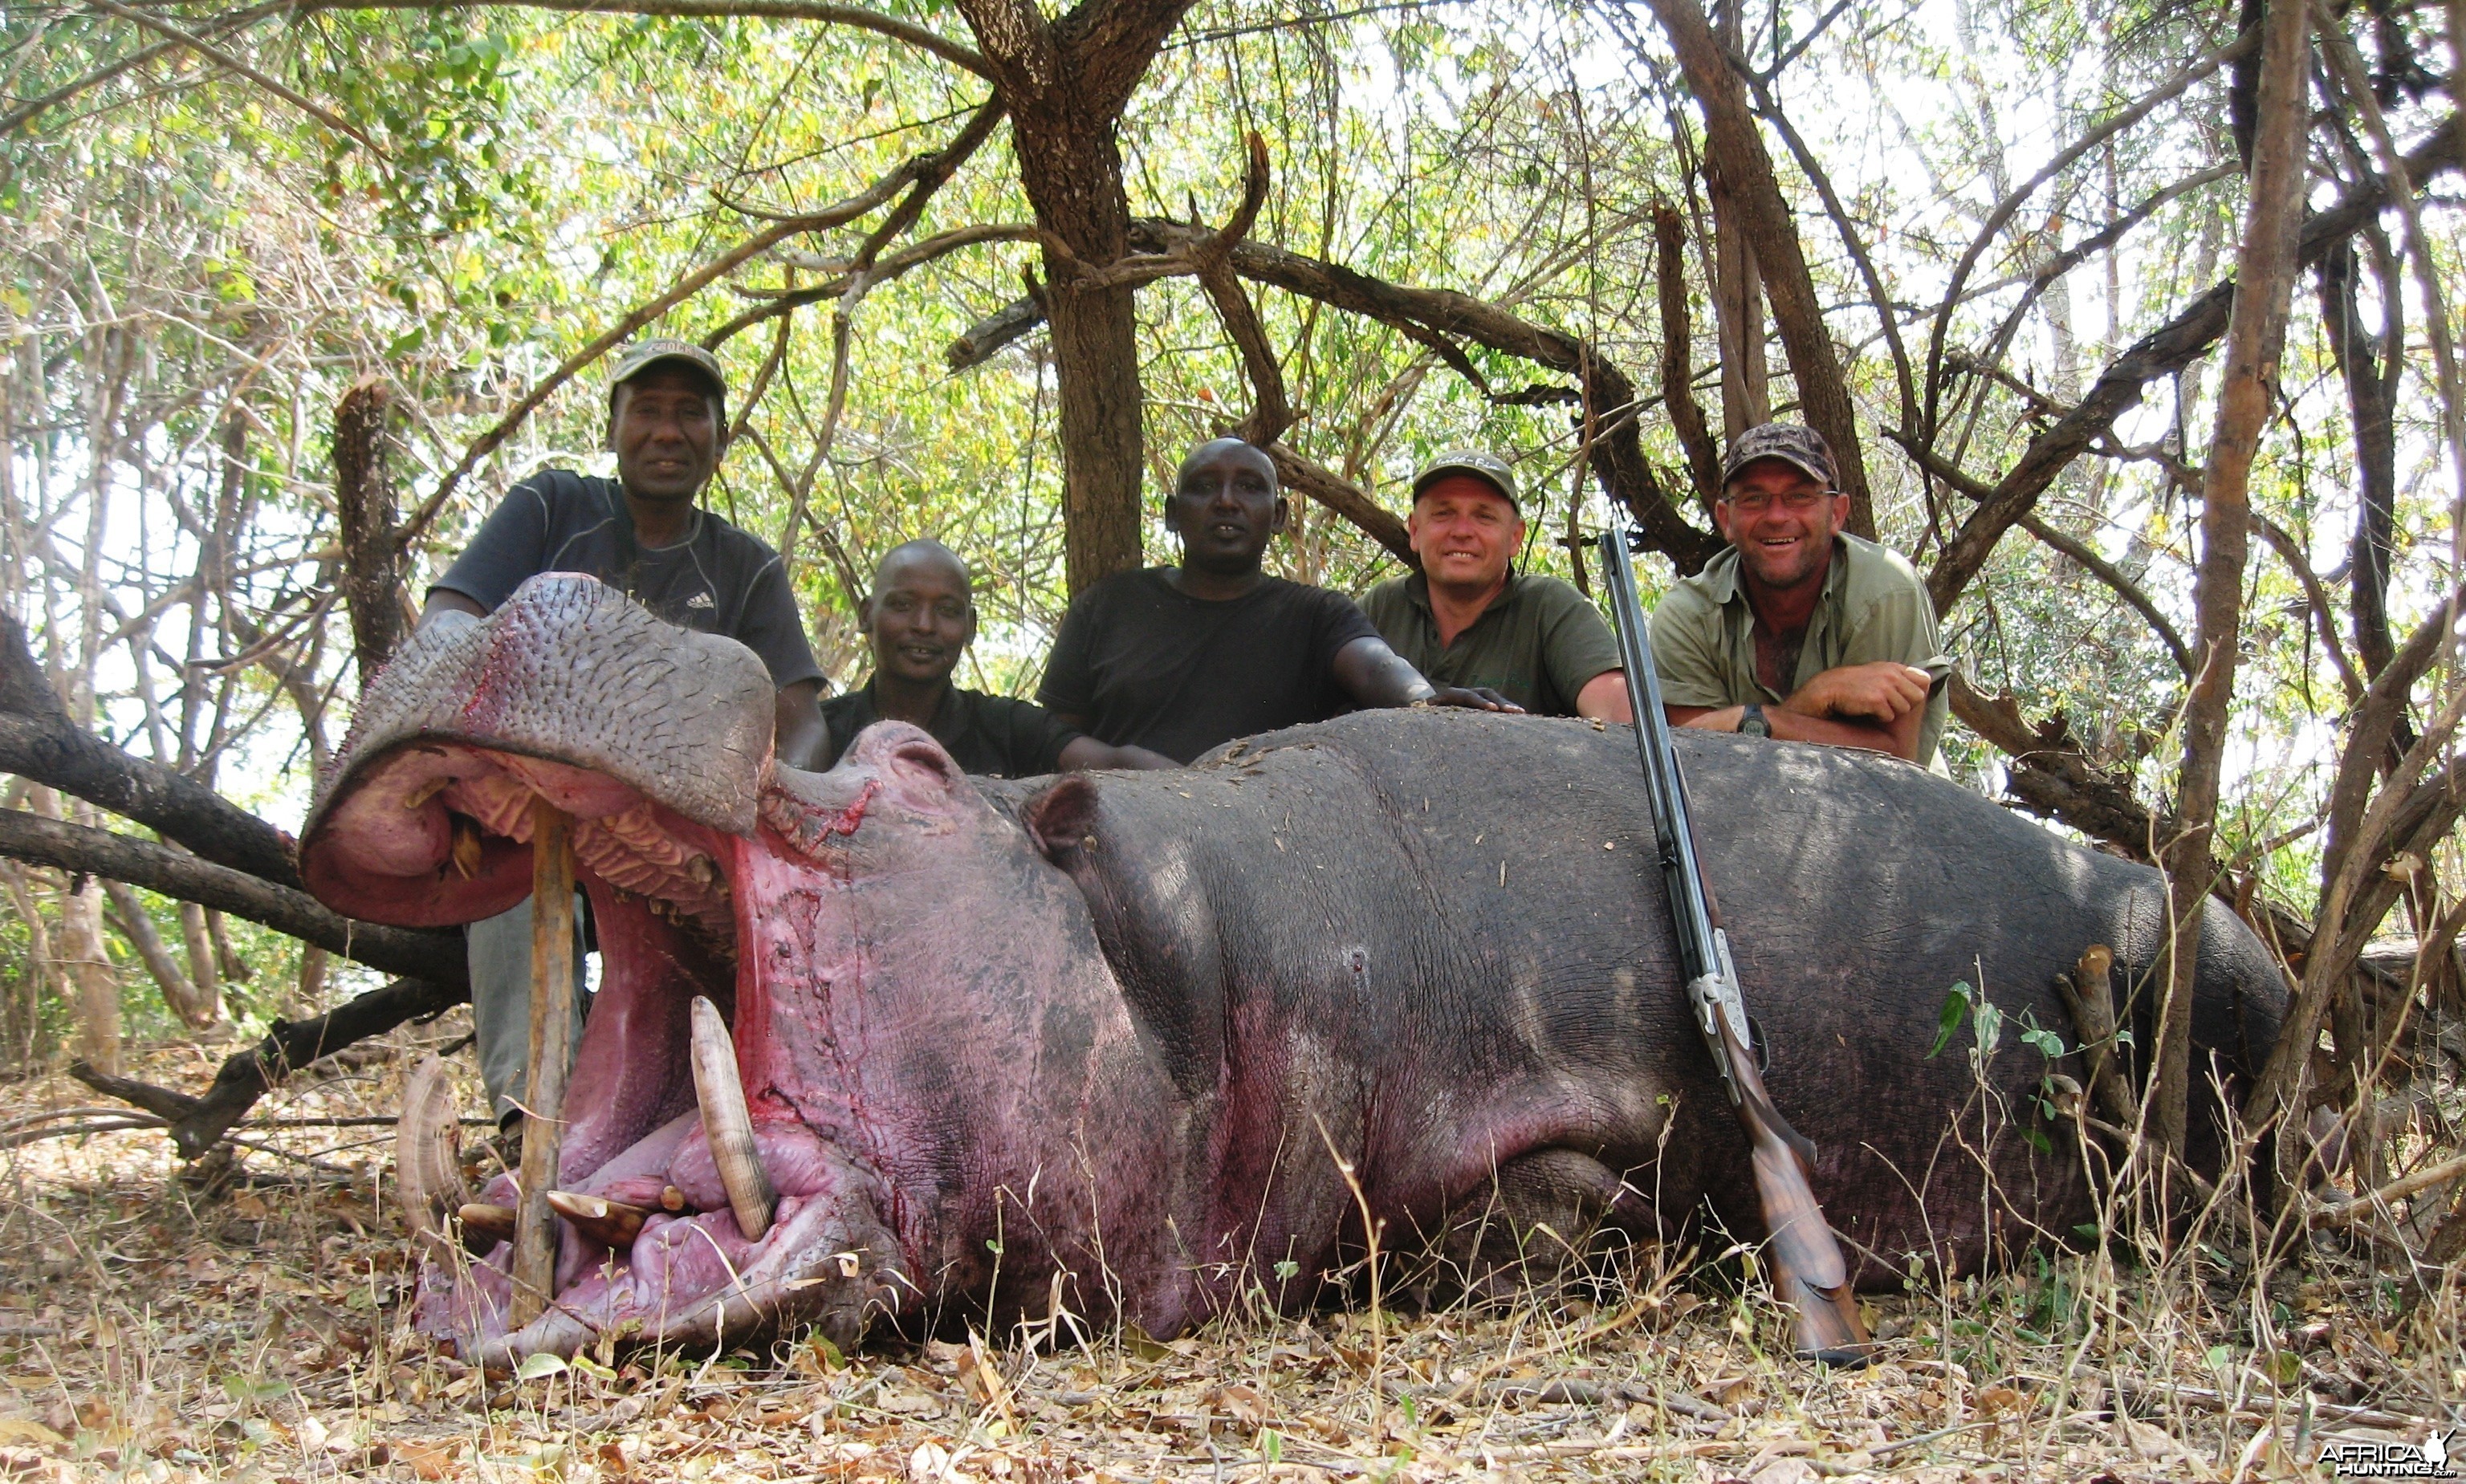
(1146, 1034)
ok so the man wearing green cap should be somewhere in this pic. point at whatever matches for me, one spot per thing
(643, 533)
(1466, 620)
(1801, 631)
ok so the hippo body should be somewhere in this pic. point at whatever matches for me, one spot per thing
(1099, 1042)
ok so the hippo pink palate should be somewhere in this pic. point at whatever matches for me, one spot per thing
(1098, 1042)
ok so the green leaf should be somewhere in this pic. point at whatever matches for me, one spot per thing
(253, 1388)
(539, 1365)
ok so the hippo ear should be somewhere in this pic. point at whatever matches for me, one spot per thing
(1062, 819)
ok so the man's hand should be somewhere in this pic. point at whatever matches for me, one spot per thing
(1884, 691)
(1474, 698)
(1085, 752)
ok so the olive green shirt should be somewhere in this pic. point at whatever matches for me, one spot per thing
(1874, 607)
(1537, 643)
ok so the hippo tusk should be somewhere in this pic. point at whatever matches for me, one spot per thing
(727, 1125)
(428, 1162)
(491, 1223)
(611, 1224)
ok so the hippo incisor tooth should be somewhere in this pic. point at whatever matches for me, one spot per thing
(489, 1224)
(727, 1124)
(608, 1223)
(671, 1199)
(426, 1166)
(465, 848)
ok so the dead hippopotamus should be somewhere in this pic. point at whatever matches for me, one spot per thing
(1101, 1042)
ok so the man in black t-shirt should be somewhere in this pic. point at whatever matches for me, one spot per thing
(1185, 658)
(919, 620)
(643, 533)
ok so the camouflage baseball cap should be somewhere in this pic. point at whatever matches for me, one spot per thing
(645, 354)
(1801, 447)
(1475, 461)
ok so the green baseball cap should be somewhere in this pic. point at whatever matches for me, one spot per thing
(643, 355)
(1480, 465)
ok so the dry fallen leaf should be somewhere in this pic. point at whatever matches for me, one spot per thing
(430, 1460)
(25, 1430)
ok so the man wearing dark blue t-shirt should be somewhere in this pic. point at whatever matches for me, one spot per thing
(1179, 660)
(643, 533)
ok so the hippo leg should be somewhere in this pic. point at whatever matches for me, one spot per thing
(1540, 1215)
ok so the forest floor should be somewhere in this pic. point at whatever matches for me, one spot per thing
(153, 1329)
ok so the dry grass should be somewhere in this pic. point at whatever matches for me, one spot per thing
(151, 1328)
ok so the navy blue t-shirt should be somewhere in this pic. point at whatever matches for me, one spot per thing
(716, 579)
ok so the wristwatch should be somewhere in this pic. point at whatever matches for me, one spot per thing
(1751, 721)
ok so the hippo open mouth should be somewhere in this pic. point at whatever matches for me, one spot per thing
(696, 1202)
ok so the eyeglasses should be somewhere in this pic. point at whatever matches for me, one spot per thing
(1798, 502)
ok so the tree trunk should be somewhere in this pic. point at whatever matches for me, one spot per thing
(1734, 150)
(1737, 312)
(93, 983)
(2371, 401)
(137, 926)
(24, 1019)
(2255, 332)
(203, 980)
(364, 506)
(1677, 357)
(1072, 168)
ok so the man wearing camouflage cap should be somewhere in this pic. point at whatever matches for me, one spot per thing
(1466, 620)
(1801, 631)
(642, 532)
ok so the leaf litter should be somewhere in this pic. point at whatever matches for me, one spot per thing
(253, 1326)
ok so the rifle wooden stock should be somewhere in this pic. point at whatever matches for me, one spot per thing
(1805, 1258)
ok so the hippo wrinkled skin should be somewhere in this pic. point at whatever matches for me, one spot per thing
(1097, 1042)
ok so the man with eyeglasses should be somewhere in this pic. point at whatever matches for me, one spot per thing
(1801, 631)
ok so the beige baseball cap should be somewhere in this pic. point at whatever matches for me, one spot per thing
(1477, 463)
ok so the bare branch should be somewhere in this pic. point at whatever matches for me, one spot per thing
(1346, 499)
(2168, 348)
(2112, 124)
(141, 863)
(38, 742)
(2124, 587)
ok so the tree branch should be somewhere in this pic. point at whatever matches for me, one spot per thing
(142, 862)
(1346, 499)
(37, 741)
(2124, 587)
(198, 1123)
(1733, 146)
(2162, 352)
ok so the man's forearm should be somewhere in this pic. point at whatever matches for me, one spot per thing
(1901, 739)
(1375, 675)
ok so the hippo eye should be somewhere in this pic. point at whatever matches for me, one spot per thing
(1360, 960)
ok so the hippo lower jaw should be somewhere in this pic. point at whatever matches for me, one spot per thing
(668, 932)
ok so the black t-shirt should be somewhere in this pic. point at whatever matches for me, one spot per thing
(996, 734)
(716, 580)
(1148, 666)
